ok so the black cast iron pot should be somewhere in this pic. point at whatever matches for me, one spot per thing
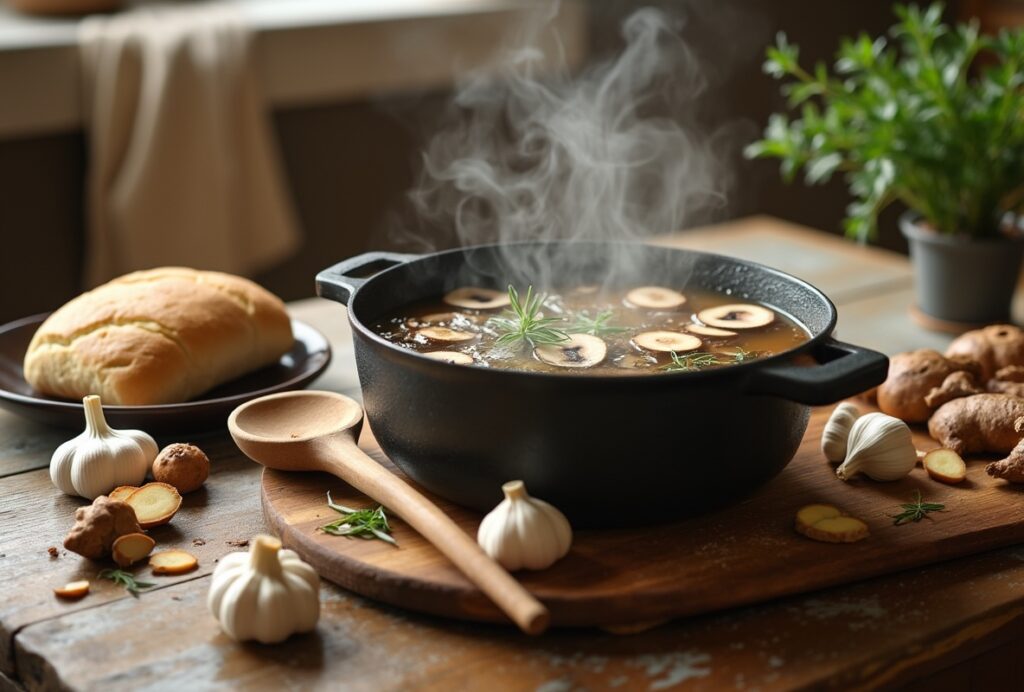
(607, 450)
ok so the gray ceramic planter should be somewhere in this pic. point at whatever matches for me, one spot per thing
(962, 279)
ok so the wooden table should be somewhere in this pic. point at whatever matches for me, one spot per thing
(946, 627)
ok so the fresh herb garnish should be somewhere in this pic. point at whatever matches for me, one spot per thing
(125, 579)
(522, 324)
(701, 359)
(917, 510)
(359, 523)
(583, 323)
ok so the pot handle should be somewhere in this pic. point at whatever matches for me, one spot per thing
(336, 283)
(843, 370)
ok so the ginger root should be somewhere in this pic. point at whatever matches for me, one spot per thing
(184, 466)
(154, 504)
(953, 387)
(1012, 467)
(828, 524)
(1008, 380)
(914, 375)
(977, 423)
(945, 466)
(98, 525)
(993, 347)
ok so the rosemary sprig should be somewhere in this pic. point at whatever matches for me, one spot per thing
(583, 323)
(522, 324)
(125, 579)
(701, 359)
(359, 523)
(917, 510)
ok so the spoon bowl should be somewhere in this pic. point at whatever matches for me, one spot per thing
(318, 431)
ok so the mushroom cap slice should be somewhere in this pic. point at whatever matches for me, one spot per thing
(655, 298)
(708, 331)
(477, 298)
(445, 334)
(737, 316)
(667, 342)
(450, 357)
(580, 351)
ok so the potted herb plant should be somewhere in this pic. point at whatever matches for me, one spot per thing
(931, 116)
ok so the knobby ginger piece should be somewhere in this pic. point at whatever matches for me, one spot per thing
(75, 589)
(98, 525)
(913, 375)
(173, 562)
(132, 547)
(154, 504)
(993, 347)
(945, 466)
(1012, 467)
(978, 423)
(828, 524)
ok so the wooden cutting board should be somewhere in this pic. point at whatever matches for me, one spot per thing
(744, 554)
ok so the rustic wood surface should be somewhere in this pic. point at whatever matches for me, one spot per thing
(949, 626)
(744, 554)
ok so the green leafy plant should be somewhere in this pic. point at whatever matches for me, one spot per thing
(523, 324)
(125, 579)
(359, 523)
(932, 116)
(700, 359)
(597, 325)
(917, 510)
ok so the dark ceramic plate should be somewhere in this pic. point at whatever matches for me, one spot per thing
(308, 357)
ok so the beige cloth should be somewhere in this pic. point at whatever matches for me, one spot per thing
(183, 168)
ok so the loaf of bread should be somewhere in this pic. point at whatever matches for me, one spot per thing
(158, 336)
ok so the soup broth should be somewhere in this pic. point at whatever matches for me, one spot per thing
(585, 329)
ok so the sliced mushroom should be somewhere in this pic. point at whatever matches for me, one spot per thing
(445, 334)
(708, 331)
(666, 342)
(450, 357)
(580, 351)
(737, 316)
(655, 298)
(477, 298)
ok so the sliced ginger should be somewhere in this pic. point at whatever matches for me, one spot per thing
(945, 466)
(75, 589)
(154, 504)
(122, 492)
(131, 548)
(828, 524)
(173, 562)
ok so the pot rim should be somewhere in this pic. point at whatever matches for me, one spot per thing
(600, 379)
(911, 228)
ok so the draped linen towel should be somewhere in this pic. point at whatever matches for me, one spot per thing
(183, 167)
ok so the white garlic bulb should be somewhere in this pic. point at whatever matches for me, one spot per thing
(101, 458)
(879, 446)
(267, 594)
(837, 430)
(523, 531)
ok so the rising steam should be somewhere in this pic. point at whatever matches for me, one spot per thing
(536, 153)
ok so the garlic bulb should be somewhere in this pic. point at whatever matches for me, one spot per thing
(267, 594)
(101, 458)
(523, 531)
(837, 430)
(880, 447)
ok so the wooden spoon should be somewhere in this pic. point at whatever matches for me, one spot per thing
(317, 431)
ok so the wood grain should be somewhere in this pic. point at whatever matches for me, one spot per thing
(744, 554)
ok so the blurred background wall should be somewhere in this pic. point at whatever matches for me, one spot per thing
(350, 163)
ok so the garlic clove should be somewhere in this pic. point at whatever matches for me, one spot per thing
(879, 446)
(523, 532)
(837, 430)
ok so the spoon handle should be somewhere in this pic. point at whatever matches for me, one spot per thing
(342, 457)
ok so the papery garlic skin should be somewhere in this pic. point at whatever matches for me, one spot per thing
(101, 458)
(523, 532)
(836, 432)
(266, 594)
(879, 446)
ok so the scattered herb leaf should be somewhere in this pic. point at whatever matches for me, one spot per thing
(359, 523)
(522, 323)
(125, 579)
(917, 510)
(583, 323)
(701, 359)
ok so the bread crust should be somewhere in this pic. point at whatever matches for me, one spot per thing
(157, 336)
